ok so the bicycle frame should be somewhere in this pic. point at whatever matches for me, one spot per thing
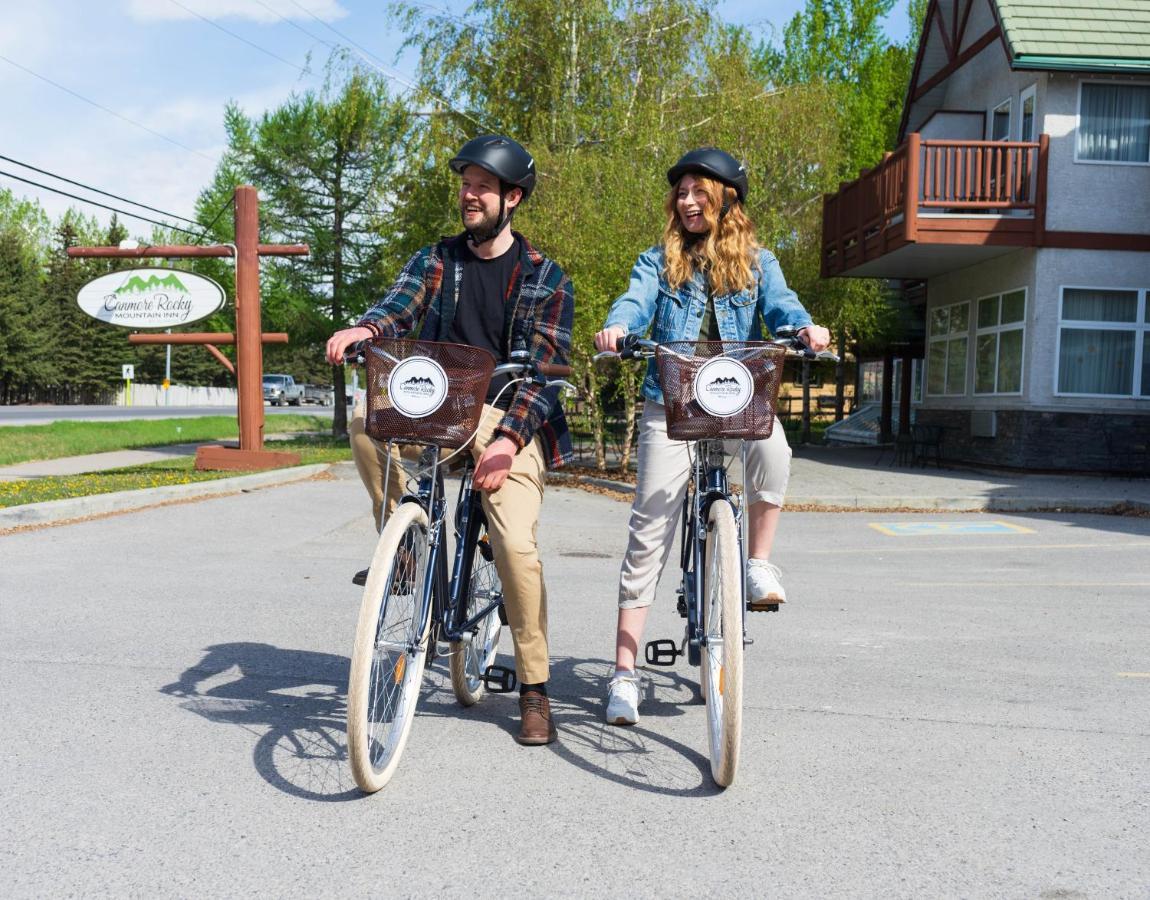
(708, 485)
(444, 598)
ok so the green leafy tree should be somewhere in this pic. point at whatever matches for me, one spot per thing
(324, 163)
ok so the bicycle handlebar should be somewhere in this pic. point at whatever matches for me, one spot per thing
(632, 346)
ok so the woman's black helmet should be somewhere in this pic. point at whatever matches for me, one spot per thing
(502, 157)
(714, 163)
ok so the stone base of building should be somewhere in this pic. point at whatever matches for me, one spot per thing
(1045, 441)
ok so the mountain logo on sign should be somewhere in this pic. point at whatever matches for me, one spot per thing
(416, 379)
(721, 380)
(138, 285)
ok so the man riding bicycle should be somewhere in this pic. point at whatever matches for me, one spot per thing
(489, 288)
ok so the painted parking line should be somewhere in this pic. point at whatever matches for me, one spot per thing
(1133, 674)
(911, 529)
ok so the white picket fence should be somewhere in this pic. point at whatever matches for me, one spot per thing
(178, 395)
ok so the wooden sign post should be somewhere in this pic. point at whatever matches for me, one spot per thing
(248, 338)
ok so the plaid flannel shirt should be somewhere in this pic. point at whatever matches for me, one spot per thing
(540, 311)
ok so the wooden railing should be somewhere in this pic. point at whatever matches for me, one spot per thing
(979, 175)
(949, 178)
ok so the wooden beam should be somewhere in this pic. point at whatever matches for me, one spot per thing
(957, 63)
(203, 337)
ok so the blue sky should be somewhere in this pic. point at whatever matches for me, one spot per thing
(169, 66)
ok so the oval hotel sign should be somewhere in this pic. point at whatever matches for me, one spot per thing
(150, 298)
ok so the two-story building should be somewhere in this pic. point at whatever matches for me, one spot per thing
(1016, 212)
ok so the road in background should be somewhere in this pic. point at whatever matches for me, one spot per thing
(45, 415)
(950, 705)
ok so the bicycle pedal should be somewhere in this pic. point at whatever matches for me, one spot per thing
(502, 614)
(662, 653)
(483, 545)
(770, 607)
(499, 680)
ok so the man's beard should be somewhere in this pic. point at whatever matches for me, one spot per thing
(485, 229)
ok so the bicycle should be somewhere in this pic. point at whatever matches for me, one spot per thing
(715, 391)
(431, 396)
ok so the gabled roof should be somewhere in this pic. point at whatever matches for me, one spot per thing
(1066, 35)
(1077, 35)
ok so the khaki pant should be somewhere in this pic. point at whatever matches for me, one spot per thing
(512, 519)
(664, 470)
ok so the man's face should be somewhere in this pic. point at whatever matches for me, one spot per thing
(479, 201)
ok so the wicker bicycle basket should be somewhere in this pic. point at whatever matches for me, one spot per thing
(439, 391)
(726, 370)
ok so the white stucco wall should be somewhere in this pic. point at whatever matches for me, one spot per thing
(1043, 273)
(1088, 196)
(998, 276)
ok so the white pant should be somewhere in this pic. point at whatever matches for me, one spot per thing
(664, 470)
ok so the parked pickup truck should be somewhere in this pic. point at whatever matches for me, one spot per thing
(320, 394)
(280, 390)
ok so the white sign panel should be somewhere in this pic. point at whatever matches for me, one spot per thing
(723, 386)
(129, 371)
(417, 386)
(150, 298)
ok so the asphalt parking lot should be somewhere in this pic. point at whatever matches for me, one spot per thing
(952, 704)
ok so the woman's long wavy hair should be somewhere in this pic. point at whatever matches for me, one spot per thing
(727, 254)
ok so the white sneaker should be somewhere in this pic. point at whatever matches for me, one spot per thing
(763, 585)
(623, 699)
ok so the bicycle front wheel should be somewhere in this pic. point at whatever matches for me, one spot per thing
(722, 658)
(471, 656)
(389, 655)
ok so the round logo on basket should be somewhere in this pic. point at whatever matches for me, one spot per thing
(417, 386)
(723, 386)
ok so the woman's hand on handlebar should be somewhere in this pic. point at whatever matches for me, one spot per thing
(341, 340)
(816, 337)
(608, 339)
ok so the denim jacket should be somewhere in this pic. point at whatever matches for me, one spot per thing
(677, 315)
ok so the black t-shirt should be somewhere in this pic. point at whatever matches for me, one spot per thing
(480, 316)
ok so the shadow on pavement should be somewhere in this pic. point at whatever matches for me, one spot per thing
(294, 704)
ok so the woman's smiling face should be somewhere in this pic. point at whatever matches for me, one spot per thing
(690, 201)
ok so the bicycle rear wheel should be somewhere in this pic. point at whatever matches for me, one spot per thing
(722, 658)
(388, 657)
(471, 656)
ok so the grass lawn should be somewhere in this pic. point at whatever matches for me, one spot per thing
(24, 443)
(312, 449)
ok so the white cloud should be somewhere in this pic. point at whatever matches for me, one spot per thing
(262, 11)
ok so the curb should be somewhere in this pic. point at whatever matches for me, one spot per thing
(1104, 505)
(53, 511)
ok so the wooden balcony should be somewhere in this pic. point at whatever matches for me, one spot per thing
(933, 206)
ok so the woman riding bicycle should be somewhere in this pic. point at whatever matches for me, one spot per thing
(707, 280)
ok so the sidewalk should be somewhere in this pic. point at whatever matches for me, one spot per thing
(822, 478)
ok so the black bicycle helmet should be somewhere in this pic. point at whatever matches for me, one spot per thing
(500, 156)
(715, 163)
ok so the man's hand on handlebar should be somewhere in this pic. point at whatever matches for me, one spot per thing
(338, 343)
(607, 340)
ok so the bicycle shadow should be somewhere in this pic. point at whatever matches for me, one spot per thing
(294, 701)
(638, 756)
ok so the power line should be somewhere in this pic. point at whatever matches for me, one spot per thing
(227, 31)
(122, 212)
(390, 73)
(104, 108)
(88, 187)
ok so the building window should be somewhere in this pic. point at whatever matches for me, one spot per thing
(1026, 114)
(998, 343)
(1000, 122)
(946, 356)
(1114, 122)
(1104, 343)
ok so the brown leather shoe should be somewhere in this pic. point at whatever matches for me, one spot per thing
(536, 726)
